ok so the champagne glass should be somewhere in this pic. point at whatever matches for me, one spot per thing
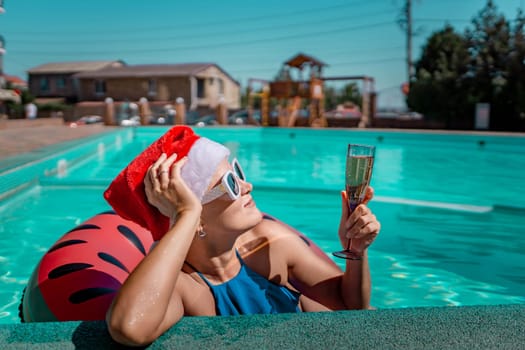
(359, 164)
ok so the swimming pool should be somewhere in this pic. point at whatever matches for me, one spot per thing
(452, 206)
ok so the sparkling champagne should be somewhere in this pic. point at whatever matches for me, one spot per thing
(359, 163)
(358, 174)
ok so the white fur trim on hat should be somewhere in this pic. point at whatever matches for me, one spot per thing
(203, 158)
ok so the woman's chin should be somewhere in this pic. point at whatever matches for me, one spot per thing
(250, 217)
(254, 215)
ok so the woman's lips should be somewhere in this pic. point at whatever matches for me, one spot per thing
(250, 203)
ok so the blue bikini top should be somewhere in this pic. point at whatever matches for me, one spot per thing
(250, 293)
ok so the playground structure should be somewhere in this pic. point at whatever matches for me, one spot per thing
(290, 92)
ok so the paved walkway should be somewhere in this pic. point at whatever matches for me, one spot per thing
(21, 136)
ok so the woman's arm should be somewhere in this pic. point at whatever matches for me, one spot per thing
(325, 283)
(149, 302)
(362, 227)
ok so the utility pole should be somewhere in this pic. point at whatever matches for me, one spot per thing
(408, 16)
(405, 22)
(2, 51)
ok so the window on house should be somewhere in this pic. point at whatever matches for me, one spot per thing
(152, 87)
(61, 83)
(44, 84)
(76, 85)
(221, 86)
(100, 87)
(200, 88)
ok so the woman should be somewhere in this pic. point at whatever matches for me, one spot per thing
(219, 257)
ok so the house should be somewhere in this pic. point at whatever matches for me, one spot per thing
(201, 85)
(54, 81)
(10, 90)
(14, 82)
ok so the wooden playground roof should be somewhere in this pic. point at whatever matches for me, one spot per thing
(300, 60)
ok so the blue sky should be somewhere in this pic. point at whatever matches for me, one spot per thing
(249, 39)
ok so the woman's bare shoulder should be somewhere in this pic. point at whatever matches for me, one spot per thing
(271, 226)
(269, 232)
(195, 295)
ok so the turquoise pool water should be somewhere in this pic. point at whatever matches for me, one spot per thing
(452, 206)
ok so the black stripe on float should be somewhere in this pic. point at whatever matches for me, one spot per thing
(305, 240)
(112, 260)
(88, 294)
(111, 212)
(66, 244)
(85, 227)
(132, 237)
(268, 217)
(67, 269)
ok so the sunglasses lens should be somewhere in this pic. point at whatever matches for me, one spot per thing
(238, 171)
(232, 184)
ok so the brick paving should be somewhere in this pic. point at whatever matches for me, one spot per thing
(21, 136)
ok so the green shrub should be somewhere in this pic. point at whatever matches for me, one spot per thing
(53, 107)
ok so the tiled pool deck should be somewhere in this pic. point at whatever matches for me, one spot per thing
(479, 327)
(20, 136)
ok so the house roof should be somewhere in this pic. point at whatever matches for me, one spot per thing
(301, 59)
(14, 80)
(73, 67)
(150, 70)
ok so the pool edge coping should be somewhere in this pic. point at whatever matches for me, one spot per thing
(455, 327)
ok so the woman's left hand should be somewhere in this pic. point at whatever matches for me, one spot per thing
(361, 225)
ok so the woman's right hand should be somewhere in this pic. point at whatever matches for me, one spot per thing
(360, 225)
(167, 191)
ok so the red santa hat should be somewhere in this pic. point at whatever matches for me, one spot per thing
(126, 194)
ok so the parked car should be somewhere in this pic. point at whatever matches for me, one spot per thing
(206, 120)
(241, 117)
(87, 119)
(303, 113)
(90, 119)
(133, 121)
(158, 120)
(343, 113)
(411, 115)
(194, 118)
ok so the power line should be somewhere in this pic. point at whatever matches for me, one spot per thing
(248, 56)
(441, 20)
(364, 62)
(381, 60)
(204, 35)
(212, 45)
(346, 4)
(393, 87)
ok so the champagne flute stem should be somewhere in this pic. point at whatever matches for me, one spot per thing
(349, 245)
(352, 207)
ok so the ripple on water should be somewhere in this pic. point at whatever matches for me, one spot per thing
(415, 285)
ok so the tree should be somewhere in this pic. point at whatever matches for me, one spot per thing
(515, 88)
(489, 43)
(485, 65)
(348, 93)
(438, 90)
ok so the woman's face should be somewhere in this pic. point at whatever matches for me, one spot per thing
(225, 215)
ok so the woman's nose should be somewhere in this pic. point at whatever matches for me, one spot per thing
(246, 187)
